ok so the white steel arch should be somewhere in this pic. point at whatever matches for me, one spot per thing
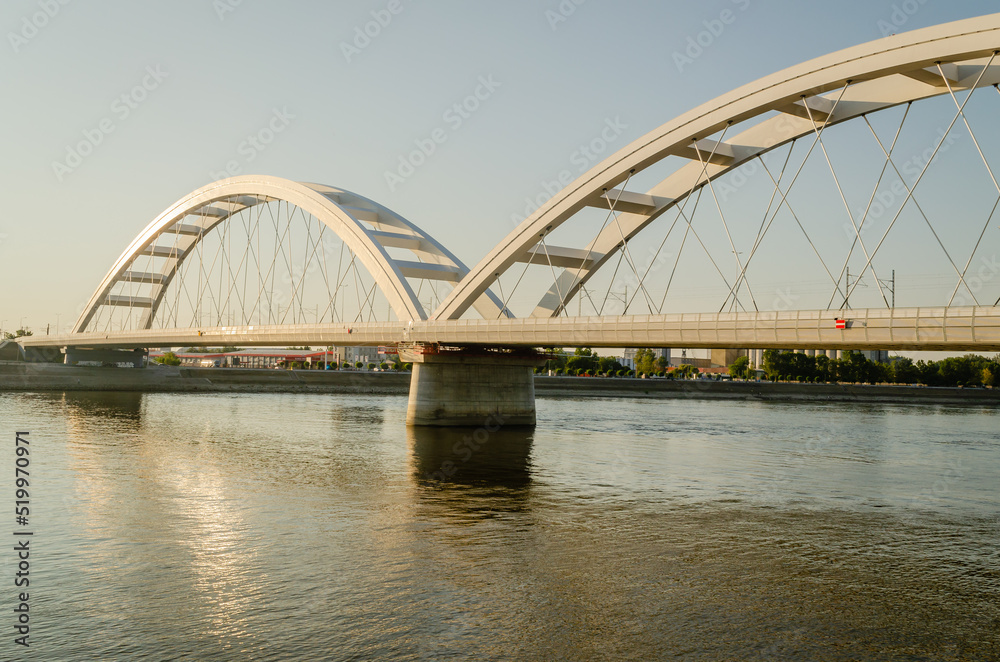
(790, 104)
(364, 226)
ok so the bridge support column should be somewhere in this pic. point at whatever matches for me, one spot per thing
(470, 386)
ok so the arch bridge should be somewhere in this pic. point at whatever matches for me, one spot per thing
(771, 216)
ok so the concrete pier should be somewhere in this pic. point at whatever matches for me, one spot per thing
(470, 386)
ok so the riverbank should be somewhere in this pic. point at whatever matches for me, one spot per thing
(169, 379)
(572, 387)
(163, 379)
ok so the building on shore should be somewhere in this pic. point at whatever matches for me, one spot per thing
(280, 357)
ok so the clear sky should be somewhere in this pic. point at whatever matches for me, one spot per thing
(345, 108)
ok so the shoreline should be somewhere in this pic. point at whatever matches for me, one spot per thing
(43, 377)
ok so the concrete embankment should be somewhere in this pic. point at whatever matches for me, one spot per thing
(763, 391)
(56, 377)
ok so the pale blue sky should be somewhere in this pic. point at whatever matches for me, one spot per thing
(223, 74)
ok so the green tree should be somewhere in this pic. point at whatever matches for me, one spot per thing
(684, 371)
(823, 368)
(645, 361)
(774, 363)
(20, 333)
(583, 359)
(557, 360)
(903, 370)
(609, 364)
(168, 358)
(966, 370)
(927, 373)
(740, 368)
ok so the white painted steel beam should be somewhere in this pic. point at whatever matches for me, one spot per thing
(211, 211)
(162, 251)
(707, 150)
(931, 76)
(628, 201)
(560, 256)
(818, 109)
(429, 271)
(142, 277)
(397, 240)
(128, 301)
(186, 230)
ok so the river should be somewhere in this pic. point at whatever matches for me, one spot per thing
(318, 527)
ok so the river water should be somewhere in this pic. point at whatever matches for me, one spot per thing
(318, 527)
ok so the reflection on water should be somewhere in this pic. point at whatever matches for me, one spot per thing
(470, 474)
(471, 456)
(291, 527)
(86, 410)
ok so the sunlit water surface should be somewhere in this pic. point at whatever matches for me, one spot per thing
(318, 527)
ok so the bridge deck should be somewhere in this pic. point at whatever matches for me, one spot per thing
(953, 329)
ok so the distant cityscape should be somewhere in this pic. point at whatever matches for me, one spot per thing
(312, 358)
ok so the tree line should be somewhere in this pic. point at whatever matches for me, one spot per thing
(855, 367)
(586, 362)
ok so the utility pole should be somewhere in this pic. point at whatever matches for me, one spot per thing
(847, 291)
(891, 286)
